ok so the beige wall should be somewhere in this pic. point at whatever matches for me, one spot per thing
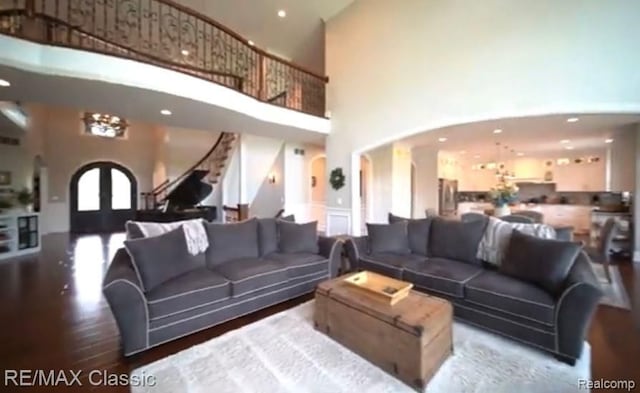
(402, 67)
(319, 170)
(622, 160)
(426, 186)
(15, 159)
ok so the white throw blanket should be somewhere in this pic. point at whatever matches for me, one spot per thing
(194, 232)
(497, 235)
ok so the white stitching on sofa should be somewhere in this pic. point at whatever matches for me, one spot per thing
(381, 263)
(508, 312)
(510, 297)
(144, 301)
(231, 305)
(135, 268)
(186, 293)
(472, 277)
(559, 304)
(504, 319)
(510, 336)
(218, 323)
(275, 285)
(439, 277)
(190, 308)
(436, 290)
(258, 275)
(309, 264)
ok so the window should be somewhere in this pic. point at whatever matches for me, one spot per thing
(89, 191)
(120, 190)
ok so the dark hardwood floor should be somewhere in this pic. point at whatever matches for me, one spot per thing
(53, 317)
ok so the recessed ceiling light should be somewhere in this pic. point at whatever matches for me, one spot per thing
(4, 83)
(565, 141)
(184, 52)
(520, 154)
(166, 112)
(572, 120)
(251, 43)
(608, 140)
(569, 147)
(442, 139)
(282, 13)
(497, 131)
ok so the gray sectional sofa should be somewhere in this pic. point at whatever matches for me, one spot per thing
(158, 291)
(543, 294)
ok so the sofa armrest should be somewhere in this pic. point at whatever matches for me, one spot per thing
(575, 307)
(122, 289)
(355, 247)
(331, 248)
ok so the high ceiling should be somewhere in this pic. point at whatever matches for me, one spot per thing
(532, 136)
(299, 36)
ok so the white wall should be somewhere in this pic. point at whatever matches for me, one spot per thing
(270, 196)
(401, 181)
(401, 67)
(622, 160)
(258, 156)
(426, 187)
(382, 179)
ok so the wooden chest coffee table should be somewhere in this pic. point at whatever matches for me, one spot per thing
(409, 340)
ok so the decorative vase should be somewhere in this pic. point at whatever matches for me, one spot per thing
(501, 211)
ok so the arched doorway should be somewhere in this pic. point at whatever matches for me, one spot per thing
(102, 198)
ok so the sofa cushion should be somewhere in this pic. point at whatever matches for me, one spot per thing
(417, 231)
(252, 274)
(232, 241)
(458, 240)
(267, 235)
(161, 258)
(133, 230)
(388, 238)
(510, 295)
(390, 264)
(194, 289)
(301, 264)
(543, 262)
(297, 238)
(442, 276)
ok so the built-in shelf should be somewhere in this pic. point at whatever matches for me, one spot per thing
(19, 234)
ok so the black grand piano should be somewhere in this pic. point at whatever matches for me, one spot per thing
(183, 202)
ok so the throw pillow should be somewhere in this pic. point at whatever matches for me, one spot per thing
(160, 258)
(390, 238)
(298, 238)
(456, 240)
(495, 239)
(232, 241)
(290, 218)
(418, 231)
(133, 230)
(268, 235)
(543, 262)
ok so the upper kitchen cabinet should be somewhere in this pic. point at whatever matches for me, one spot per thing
(579, 174)
(529, 169)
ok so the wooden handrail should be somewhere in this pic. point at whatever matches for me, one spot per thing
(195, 166)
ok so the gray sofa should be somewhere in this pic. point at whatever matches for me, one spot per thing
(246, 267)
(551, 311)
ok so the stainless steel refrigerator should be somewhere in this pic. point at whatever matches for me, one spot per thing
(447, 197)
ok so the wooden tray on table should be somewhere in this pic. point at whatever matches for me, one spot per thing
(382, 288)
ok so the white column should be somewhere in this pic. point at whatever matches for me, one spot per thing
(242, 184)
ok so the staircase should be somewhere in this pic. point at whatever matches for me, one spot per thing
(196, 183)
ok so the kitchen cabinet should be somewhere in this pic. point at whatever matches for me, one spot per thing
(580, 177)
(577, 216)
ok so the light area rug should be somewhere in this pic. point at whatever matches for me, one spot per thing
(615, 294)
(284, 353)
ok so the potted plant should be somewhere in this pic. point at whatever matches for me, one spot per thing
(502, 195)
(25, 198)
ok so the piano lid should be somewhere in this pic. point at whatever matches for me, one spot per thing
(190, 191)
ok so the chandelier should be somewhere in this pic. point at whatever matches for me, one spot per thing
(105, 125)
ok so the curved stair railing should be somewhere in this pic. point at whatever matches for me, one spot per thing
(213, 163)
(166, 34)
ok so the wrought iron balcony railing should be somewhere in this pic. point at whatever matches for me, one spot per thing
(166, 34)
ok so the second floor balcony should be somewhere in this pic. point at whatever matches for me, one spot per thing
(166, 34)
